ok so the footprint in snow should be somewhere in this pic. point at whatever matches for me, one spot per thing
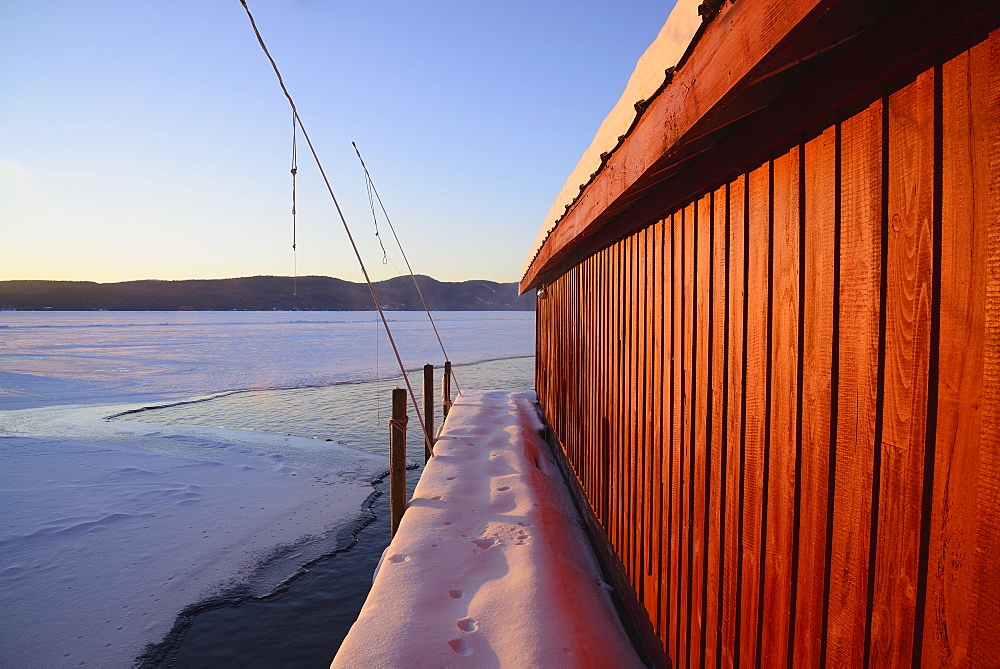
(467, 625)
(488, 542)
(460, 647)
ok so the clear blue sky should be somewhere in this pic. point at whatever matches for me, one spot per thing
(143, 139)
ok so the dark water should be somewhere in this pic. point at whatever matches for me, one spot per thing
(304, 623)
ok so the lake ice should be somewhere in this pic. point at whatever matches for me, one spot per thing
(109, 529)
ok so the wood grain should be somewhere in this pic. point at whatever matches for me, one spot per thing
(676, 412)
(755, 393)
(781, 447)
(702, 254)
(984, 644)
(688, 443)
(819, 217)
(909, 273)
(783, 400)
(658, 414)
(716, 490)
(960, 442)
(731, 619)
(857, 397)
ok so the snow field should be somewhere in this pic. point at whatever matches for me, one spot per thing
(104, 540)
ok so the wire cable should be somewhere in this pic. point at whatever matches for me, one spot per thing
(343, 219)
(371, 185)
(295, 171)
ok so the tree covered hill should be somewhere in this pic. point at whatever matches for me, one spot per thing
(261, 293)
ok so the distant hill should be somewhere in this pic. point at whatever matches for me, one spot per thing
(261, 293)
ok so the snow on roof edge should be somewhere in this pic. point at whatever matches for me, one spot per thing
(646, 80)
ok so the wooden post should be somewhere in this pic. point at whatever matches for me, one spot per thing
(428, 411)
(446, 389)
(397, 458)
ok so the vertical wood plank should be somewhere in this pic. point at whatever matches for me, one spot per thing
(908, 319)
(755, 392)
(614, 389)
(781, 446)
(817, 364)
(603, 459)
(597, 392)
(859, 310)
(660, 406)
(648, 445)
(701, 256)
(677, 385)
(669, 570)
(960, 442)
(604, 467)
(686, 514)
(587, 379)
(621, 421)
(717, 475)
(735, 291)
(639, 536)
(618, 415)
(635, 433)
(580, 397)
(984, 646)
(641, 505)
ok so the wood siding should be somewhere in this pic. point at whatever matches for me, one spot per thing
(782, 401)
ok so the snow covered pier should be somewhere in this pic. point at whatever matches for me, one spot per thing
(490, 566)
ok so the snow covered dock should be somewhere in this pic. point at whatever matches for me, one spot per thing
(490, 566)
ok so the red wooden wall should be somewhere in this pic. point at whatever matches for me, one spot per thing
(783, 400)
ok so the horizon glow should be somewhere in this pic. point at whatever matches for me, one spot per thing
(151, 141)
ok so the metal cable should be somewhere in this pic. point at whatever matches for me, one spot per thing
(295, 171)
(371, 184)
(343, 219)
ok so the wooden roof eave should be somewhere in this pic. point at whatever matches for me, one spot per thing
(727, 58)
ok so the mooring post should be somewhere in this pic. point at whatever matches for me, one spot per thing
(446, 389)
(428, 412)
(397, 459)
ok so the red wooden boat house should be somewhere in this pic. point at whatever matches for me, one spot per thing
(769, 336)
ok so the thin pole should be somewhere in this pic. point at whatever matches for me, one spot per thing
(428, 411)
(446, 389)
(397, 459)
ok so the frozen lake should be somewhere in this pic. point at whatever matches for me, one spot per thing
(111, 529)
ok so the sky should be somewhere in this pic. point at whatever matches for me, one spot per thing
(150, 140)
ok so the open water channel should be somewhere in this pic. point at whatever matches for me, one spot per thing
(303, 623)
